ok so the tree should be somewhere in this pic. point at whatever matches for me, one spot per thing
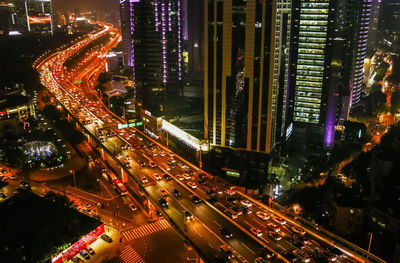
(51, 112)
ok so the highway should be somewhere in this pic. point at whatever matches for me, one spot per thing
(258, 231)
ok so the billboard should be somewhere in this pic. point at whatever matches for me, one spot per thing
(45, 19)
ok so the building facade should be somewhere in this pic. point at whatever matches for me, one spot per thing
(152, 33)
(245, 67)
(34, 16)
(328, 48)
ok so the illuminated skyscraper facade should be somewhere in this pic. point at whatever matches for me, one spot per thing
(328, 46)
(34, 16)
(152, 33)
(245, 72)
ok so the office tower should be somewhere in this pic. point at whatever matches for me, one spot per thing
(390, 22)
(328, 48)
(373, 25)
(194, 34)
(152, 38)
(358, 18)
(245, 65)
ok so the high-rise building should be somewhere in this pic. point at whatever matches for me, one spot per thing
(373, 24)
(357, 22)
(152, 33)
(328, 47)
(245, 72)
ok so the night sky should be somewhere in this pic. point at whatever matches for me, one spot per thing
(84, 5)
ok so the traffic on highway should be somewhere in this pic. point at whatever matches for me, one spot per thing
(219, 222)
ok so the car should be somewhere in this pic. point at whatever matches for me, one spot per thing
(182, 165)
(246, 203)
(90, 251)
(13, 177)
(187, 176)
(168, 168)
(275, 236)
(158, 213)
(260, 260)
(212, 200)
(132, 207)
(195, 199)
(305, 257)
(298, 244)
(246, 210)
(162, 153)
(202, 175)
(180, 177)
(176, 193)
(152, 165)
(279, 220)
(330, 256)
(227, 251)
(265, 253)
(192, 185)
(202, 181)
(84, 254)
(163, 202)
(128, 165)
(154, 153)
(273, 227)
(298, 230)
(225, 233)
(218, 190)
(256, 231)
(237, 209)
(101, 139)
(141, 163)
(2, 195)
(24, 184)
(157, 177)
(76, 259)
(167, 177)
(187, 215)
(172, 160)
(211, 192)
(106, 238)
(171, 154)
(263, 215)
(163, 192)
(143, 179)
(231, 200)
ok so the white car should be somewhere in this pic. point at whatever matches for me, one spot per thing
(143, 179)
(162, 153)
(171, 154)
(180, 177)
(273, 227)
(246, 203)
(157, 177)
(187, 176)
(192, 185)
(132, 207)
(256, 231)
(263, 215)
(279, 220)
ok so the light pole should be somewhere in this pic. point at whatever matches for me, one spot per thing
(101, 189)
(73, 174)
(370, 241)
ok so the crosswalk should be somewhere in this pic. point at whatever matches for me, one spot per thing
(129, 255)
(145, 230)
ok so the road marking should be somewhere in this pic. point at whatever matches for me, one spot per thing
(247, 248)
(216, 223)
(194, 229)
(279, 245)
(210, 245)
(129, 255)
(248, 223)
(145, 230)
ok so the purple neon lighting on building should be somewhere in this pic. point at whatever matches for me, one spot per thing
(179, 41)
(132, 26)
(156, 15)
(169, 17)
(164, 42)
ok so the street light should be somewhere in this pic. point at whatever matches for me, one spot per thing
(73, 174)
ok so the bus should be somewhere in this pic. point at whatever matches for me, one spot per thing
(118, 185)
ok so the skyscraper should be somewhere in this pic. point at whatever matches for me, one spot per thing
(245, 72)
(373, 24)
(152, 33)
(326, 64)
